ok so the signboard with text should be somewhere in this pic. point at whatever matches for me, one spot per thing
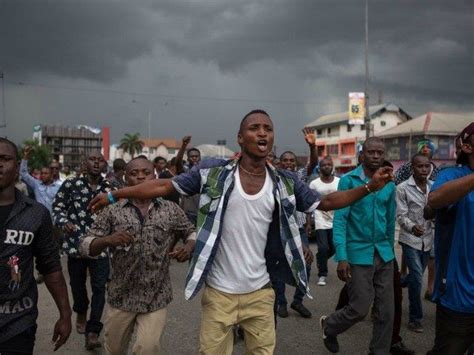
(356, 108)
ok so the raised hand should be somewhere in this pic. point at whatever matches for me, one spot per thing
(309, 135)
(186, 140)
(27, 152)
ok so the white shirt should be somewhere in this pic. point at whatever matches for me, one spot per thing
(239, 266)
(323, 219)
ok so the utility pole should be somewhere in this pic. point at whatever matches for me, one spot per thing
(3, 121)
(367, 114)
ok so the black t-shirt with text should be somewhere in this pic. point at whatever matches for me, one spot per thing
(25, 234)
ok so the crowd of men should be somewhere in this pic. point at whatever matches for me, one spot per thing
(244, 225)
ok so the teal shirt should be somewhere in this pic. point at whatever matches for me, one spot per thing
(367, 225)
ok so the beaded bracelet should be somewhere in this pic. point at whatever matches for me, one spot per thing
(111, 197)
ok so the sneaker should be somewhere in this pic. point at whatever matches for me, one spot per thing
(322, 281)
(330, 342)
(415, 327)
(401, 349)
(282, 311)
(302, 310)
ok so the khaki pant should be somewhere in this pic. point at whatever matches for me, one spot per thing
(119, 328)
(253, 311)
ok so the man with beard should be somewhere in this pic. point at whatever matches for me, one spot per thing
(72, 216)
(247, 233)
(363, 237)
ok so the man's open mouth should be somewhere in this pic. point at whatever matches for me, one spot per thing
(262, 145)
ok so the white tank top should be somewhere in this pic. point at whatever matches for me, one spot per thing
(239, 266)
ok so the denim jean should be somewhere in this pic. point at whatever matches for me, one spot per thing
(99, 272)
(325, 250)
(416, 261)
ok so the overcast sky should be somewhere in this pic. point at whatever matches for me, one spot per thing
(199, 66)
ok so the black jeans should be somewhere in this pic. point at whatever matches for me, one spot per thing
(279, 287)
(99, 272)
(20, 344)
(325, 250)
(454, 332)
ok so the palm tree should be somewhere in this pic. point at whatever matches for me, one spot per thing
(131, 143)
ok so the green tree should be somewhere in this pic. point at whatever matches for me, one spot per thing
(40, 155)
(131, 143)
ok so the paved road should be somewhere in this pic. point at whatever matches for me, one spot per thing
(295, 335)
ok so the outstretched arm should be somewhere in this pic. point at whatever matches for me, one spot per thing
(341, 199)
(451, 192)
(145, 190)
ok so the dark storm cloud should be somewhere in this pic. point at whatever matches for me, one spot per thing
(273, 52)
(415, 45)
(76, 39)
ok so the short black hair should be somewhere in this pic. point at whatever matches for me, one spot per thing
(158, 158)
(119, 164)
(372, 140)
(140, 157)
(418, 155)
(11, 144)
(191, 149)
(288, 152)
(257, 111)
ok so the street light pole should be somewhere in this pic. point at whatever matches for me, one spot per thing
(367, 114)
(148, 116)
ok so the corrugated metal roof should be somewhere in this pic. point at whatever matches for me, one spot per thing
(341, 117)
(432, 123)
(167, 142)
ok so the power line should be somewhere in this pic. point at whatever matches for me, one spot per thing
(151, 94)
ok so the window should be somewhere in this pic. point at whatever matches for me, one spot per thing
(329, 131)
(319, 132)
(349, 128)
(383, 123)
(332, 149)
(362, 127)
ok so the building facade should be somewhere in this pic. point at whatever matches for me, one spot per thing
(70, 145)
(441, 128)
(338, 139)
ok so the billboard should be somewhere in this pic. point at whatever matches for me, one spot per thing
(356, 108)
(37, 133)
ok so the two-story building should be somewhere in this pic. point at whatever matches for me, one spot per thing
(338, 139)
(441, 128)
(152, 148)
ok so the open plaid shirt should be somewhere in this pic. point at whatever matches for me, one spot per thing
(214, 180)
